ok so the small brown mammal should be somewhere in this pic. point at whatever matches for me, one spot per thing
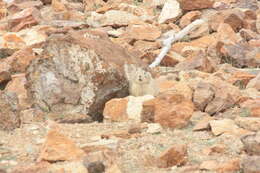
(140, 81)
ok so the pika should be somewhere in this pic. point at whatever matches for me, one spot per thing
(140, 81)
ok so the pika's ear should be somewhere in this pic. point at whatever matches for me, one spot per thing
(128, 69)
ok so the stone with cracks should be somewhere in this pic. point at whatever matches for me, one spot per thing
(78, 73)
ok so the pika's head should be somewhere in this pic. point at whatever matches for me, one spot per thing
(142, 76)
(137, 74)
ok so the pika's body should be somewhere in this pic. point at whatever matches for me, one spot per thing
(140, 81)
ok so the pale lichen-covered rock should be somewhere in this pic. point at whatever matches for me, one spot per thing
(9, 111)
(78, 73)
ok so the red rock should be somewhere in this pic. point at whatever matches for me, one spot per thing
(168, 109)
(58, 147)
(24, 19)
(196, 4)
(174, 156)
(189, 17)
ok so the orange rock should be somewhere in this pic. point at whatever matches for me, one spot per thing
(24, 19)
(58, 6)
(255, 43)
(168, 109)
(209, 165)
(196, 4)
(253, 106)
(226, 34)
(142, 32)
(115, 109)
(22, 59)
(58, 147)
(17, 85)
(13, 41)
(176, 155)
(189, 17)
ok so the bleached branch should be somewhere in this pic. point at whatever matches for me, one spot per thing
(173, 38)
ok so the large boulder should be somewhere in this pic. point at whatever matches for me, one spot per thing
(77, 73)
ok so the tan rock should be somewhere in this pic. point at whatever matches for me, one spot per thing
(38, 167)
(170, 12)
(209, 165)
(116, 109)
(252, 144)
(113, 169)
(227, 34)
(189, 17)
(58, 147)
(203, 124)
(168, 109)
(254, 83)
(13, 41)
(251, 164)
(17, 85)
(197, 61)
(203, 94)
(174, 156)
(202, 42)
(232, 165)
(248, 123)
(58, 5)
(196, 4)
(219, 127)
(253, 106)
(142, 32)
(232, 17)
(74, 166)
(179, 87)
(26, 18)
(21, 60)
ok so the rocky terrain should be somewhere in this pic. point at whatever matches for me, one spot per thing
(64, 95)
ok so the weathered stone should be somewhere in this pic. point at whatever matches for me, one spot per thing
(246, 4)
(249, 123)
(9, 111)
(174, 156)
(189, 17)
(26, 18)
(203, 94)
(17, 86)
(196, 4)
(170, 12)
(197, 61)
(242, 55)
(58, 147)
(219, 127)
(251, 164)
(39, 167)
(12, 41)
(253, 105)
(168, 109)
(116, 109)
(254, 83)
(227, 35)
(142, 32)
(111, 18)
(21, 60)
(80, 74)
(252, 144)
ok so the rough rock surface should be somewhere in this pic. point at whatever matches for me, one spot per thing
(78, 74)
